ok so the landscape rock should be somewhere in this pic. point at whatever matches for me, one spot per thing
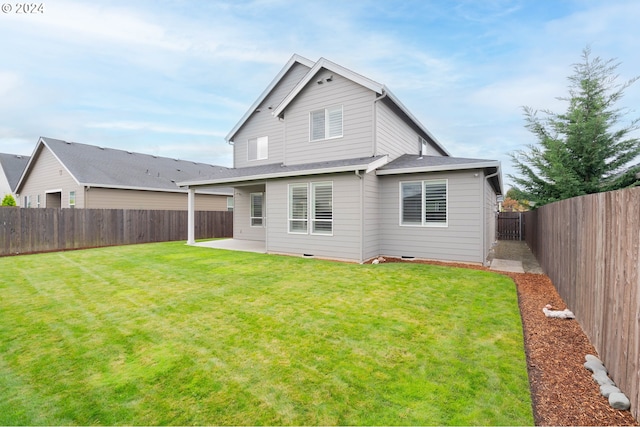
(595, 366)
(602, 378)
(607, 389)
(592, 358)
(558, 314)
(619, 401)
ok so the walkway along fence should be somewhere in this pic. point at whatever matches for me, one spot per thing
(53, 229)
(589, 246)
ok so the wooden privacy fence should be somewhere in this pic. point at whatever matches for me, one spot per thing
(510, 226)
(52, 229)
(589, 246)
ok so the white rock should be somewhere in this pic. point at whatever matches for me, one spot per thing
(558, 314)
(595, 366)
(591, 357)
(619, 401)
(607, 389)
(375, 261)
(601, 378)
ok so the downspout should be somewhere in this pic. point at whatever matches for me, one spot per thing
(375, 121)
(357, 172)
(485, 253)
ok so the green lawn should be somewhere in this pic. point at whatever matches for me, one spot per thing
(170, 334)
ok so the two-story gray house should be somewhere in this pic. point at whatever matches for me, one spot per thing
(329, 163)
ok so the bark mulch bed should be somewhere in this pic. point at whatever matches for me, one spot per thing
(562, 390)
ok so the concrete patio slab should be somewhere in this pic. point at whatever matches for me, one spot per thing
(507, 265)
(234, 245)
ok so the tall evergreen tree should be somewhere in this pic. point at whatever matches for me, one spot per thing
(584, 150)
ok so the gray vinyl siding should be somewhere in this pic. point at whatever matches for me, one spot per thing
(5, 187)
(110, 198)
(263, 123)
(48, 174)
(394, 136)
(344, 244)
(461, 240)
(490, 218)
(242, 228)
(371, 217)
(357, 103)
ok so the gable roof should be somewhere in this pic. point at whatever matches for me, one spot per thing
(372, 85)
(94, 166)
(13, 165)
(295, 59)
(314, 68)
(411, 163)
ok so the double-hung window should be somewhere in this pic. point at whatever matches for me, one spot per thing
(424, 203)
(258, 148)
(325, 123)
(311, 204)
(257, 209)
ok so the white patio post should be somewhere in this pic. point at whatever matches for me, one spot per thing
(191, 217)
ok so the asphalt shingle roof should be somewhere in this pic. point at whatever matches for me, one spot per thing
(108, 167)
(412, 161)
(13, 165)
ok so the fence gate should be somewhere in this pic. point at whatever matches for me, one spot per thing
(510, 226)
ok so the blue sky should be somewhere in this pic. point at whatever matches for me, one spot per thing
(171, 78)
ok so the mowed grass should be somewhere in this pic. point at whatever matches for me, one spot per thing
(170, 334)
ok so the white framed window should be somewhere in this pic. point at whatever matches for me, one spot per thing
(298, 208)
(257, 209)
(311, 204)
(322, 208)
(72, 199)
(258, 148)
(27, 201)
(38, 201)
(230, 203)
(325, 123)
(424, 203)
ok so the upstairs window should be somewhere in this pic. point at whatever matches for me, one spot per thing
(325, 123)
(424, 203)
(257, 209)
(258, 148)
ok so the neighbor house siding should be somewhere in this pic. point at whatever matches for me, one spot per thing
(357, 119)
(109, 198)
(460, 240)
(48, 174)
(242, 228)
(344, 244)
(262, 123)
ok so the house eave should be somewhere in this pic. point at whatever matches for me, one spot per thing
(439, 168)
(292, 61)
(367, 167)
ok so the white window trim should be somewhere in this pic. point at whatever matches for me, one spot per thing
(74, 199)
(262, 148)
(326, 123)
(424, 223)
(312, 209)
(311, 199)
(251, 217)
(290, 206)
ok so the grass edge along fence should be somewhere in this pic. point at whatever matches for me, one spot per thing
(589, 246)
(25, 231)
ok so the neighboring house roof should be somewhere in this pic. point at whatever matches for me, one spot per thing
(94, 166)
(13, 165)
(314, 68)
(278, 170)
(411, 163)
